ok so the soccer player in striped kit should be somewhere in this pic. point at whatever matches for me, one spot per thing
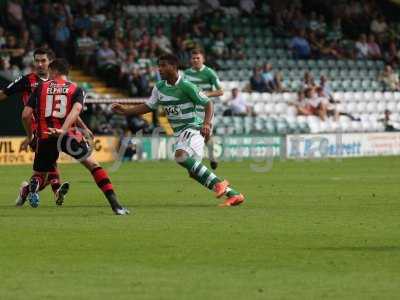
(180, 99)
(207, 80)
(56, 105)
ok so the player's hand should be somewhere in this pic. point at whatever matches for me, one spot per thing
(206, 131)
(25, 143)
(118, 108)
(55, 132)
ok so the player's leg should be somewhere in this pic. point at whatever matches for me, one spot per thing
(80, 150)
(103, 181)
(211, 156)
(46, 156)
(188, 154)
(59, 189)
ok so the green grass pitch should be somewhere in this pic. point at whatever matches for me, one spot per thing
(309, 230)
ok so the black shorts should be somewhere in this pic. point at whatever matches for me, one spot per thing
(48, 151)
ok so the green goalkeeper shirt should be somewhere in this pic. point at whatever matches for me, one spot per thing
(180, 102)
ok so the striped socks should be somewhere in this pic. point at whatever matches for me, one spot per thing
(203, 175)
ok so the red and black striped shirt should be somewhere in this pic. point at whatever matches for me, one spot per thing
(52, 101)
(25, 85)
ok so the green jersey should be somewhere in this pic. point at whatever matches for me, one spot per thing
(180, 102)
(205, 78)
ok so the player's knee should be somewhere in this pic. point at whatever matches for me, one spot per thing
(90, 164)
(180, 156)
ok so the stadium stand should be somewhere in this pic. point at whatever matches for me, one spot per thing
(351, 45)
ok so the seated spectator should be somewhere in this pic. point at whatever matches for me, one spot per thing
(106, 55)
(277, 83)
(257, 82)
(313, 23)
(85, 47)
(61, 36)
(374, 51)
(315, 104)
(237, 48)
(335, 33)
(247, 6)
(300, 46)
(392, 55)
(389, 79)
(219, 48)
(323, 83)
(308, 80)
(238, 104)
(361, 47)
(302, 107)
(162, 42)
(389, 124)
(7, 71)
(322, 25)
(329, 104)
(2, 37)
(267, 73)
(15, 51)
(379, 26)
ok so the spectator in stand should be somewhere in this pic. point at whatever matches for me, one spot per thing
(300, 46)
(2, 37)
(247, 6)
(277, 83)
(14, 51)
(322, 25)
(61, 36)
(361, 47)
(389, 124)
(105, 55)
(162, 42)
(392, 56)
(257, 82)
(8, 71)
(313, 23)
(335, 33)
(85, 47)
(379, 26)
(298, 21)
(308, 80)
(324, 85)
(374, 51)
(327, 103)
(14, 15)
(268, 74)
(237, 48)
(315, 105)
(238, 104)
(82, 21)
(302, 107)
(389, 79)
(219, 48)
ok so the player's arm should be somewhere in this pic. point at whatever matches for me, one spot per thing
(81, 124)
(207, 123)
(27, 122)
(139, 109)
(72, 116)
(125, 110)
(3, 96)
(17, 86)
(200, 98)
(217, 84)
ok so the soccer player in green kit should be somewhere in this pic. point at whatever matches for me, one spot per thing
(207, 80)
(180, 100)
